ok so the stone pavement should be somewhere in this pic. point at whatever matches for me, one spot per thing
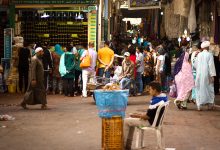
(73, 124)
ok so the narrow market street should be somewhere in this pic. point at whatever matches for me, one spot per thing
(73, 124)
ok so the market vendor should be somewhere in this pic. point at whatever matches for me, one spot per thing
(137, 120)
(127, 72)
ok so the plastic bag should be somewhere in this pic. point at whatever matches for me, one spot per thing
(111, 103)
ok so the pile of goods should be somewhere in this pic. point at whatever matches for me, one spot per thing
(111, 87)
(12, 79)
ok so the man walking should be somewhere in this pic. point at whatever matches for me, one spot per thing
(36, 93)
(205, 73)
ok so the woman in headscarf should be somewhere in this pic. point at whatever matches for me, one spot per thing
(57, 81)
(183, 79)
(67, 71)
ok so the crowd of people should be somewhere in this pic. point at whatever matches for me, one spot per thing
(133, 64)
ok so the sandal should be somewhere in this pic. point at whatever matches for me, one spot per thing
(44, 107)
(23, 105)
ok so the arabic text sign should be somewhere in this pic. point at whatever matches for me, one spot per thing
(144, 4)
(8, 42)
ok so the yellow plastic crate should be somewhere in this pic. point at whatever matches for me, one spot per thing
(112, 133)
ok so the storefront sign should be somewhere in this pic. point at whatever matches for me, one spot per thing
(92, 19)
(54, 1)
(144, 4)
(8, 34)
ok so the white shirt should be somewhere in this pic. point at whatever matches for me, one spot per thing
(162, 61)
(140, 60)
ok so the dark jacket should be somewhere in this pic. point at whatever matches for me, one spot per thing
(47, 60)
(24, 59)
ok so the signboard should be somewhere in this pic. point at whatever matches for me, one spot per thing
(54, 1)
(8, 34)
(143, 4)
(92, 20)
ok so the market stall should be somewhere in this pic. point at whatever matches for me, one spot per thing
(56, 22)
(112, 104)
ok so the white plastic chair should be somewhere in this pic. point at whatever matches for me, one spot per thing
(158, 129)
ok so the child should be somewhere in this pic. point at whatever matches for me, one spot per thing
(136, 120)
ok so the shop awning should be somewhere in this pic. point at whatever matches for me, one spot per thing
(134, 13)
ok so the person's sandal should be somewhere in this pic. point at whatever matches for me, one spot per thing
(44, 107)
(23, 105)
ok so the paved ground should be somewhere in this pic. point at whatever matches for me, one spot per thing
(73, 124)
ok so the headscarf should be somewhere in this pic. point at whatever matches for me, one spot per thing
(58, 49)
(179, 64)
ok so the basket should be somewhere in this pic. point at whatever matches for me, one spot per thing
(112, 133)
(91, 86)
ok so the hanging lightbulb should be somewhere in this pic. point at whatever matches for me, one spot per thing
(179, 40)
(79, 16)
(188, 39)
(185, 32)
(45, 15)
(76, 16)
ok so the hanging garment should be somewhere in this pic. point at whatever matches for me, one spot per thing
(192, 18)
(172, 22)
(181, 7)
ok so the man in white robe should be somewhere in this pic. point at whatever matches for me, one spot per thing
(205, 72)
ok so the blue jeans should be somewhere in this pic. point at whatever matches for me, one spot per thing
(101, 73)
(139, 82)
(125, 83)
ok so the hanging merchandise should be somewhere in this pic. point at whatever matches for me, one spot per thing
(172, 21)
(55, 27)
(181, 7)
(192, 18)
(204, 19)
(217, 27)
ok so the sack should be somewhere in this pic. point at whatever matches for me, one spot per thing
(111, 103)
(173, 91)
(86, 62)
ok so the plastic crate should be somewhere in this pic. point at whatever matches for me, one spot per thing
(112, 133)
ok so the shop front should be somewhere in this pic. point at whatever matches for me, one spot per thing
(56, 22)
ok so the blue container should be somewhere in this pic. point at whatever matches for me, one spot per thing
(111, 103)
